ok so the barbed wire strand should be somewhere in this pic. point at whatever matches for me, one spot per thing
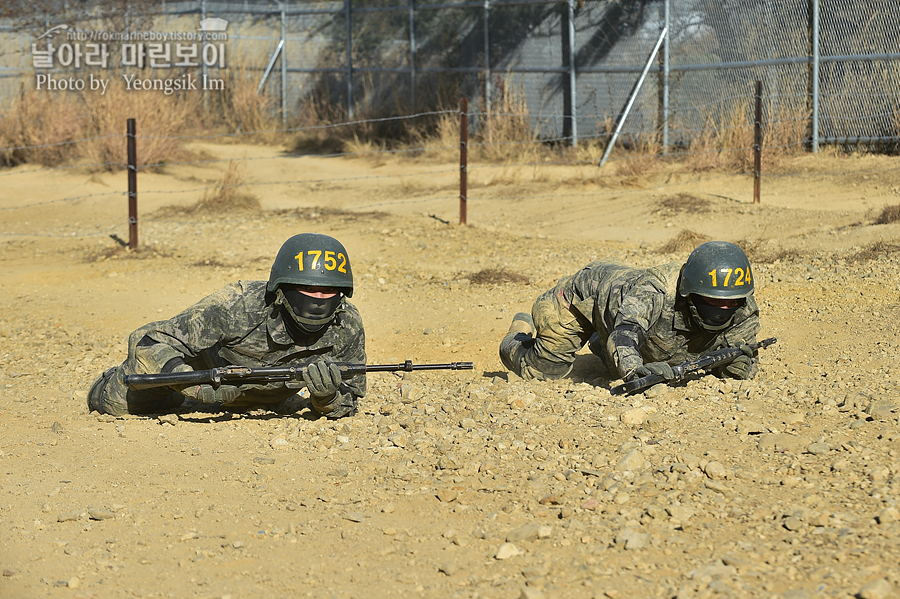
(60, 143)
(59, 168)
(298, 129)
(70, 199)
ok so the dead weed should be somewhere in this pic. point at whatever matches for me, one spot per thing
(683, 242)
(225, 196)
(121, 252)
(319, 214)
(494, 276)
(760, 251)
(874, 251)
(890, 214)
(684, 202)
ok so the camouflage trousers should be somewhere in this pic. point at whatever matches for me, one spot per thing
(560, 332)
(109, 395)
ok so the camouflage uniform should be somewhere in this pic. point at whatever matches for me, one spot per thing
(638, 316)
(236, 325)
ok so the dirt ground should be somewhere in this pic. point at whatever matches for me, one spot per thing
(454, 484)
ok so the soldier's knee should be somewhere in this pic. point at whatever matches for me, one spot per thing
(550, 370)
(518, 356)
(103, 396)
(513, 349)
(109, 395)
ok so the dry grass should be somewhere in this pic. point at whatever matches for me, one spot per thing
(227, 195)
(890, 214)
(37, 119)
(319, 214)
(685, 241)
(493, 276)
(51, 119)
(160, 120)
(684, 202)
(442, 144)
(240, 109)
(507, 133)
(760, 251)
(876, 250)
(212, 263)
(120, 252)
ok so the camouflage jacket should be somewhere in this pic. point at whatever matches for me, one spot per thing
(239, 325)
(613, 296)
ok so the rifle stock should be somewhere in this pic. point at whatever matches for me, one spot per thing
(245, 375)
(712, 359)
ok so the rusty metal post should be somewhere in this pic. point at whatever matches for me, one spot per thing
(463, 157)
(132, 188)
(757, 143)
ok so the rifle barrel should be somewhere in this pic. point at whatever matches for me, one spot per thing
(241, 374)
(713, 358)
(408, 366)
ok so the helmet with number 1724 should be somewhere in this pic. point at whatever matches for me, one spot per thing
(717, 270)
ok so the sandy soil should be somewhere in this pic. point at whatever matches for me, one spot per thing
(454, 484)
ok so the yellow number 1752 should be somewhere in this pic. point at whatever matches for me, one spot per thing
(331, 262)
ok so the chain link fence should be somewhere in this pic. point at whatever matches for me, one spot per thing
(830, 69)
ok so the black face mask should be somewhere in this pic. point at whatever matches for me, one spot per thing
(311, 314)
(709, 317)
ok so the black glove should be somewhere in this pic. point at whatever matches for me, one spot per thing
(660, 368)
(742, 366)
(223, 394)
(322, 378)
(342, 404)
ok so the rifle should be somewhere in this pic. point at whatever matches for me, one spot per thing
(244, 374)
(713, 358)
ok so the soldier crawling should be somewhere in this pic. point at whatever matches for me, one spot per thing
(641, 321)
(300, 316)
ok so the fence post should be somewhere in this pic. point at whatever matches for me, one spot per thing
(283, 67)
(463, 157)
(348, 8)
(412, 54)
(573, 110)
(205, 70)
(815, 76)
(487, 67)
(132, 187)
(665, 82)
(757, 143)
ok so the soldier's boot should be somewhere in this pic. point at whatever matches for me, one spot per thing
(95, 393)
(595, 346)
(522, 323)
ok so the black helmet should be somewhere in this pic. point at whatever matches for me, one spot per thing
(315, 260)
(312, 260)
(720, 270)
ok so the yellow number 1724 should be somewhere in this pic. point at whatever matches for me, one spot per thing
(741, 277)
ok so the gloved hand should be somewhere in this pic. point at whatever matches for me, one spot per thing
(335, 407)
(322, 378)
(742, 366)
(208, 394)
(660, 368)
(223, 394)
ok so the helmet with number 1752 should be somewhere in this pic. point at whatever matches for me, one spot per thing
(309, 276)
